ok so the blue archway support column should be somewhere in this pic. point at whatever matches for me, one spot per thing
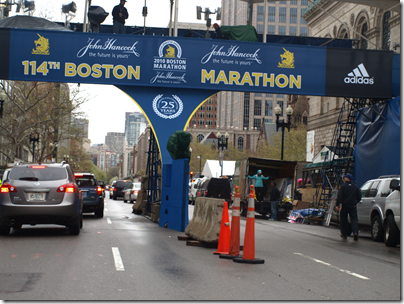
(169, 110)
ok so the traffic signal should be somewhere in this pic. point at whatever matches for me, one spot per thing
(190, 175)
(198, 12)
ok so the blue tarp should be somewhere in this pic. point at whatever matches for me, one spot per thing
(377, 150)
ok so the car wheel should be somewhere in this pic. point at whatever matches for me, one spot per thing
(377, 229)
(114, 198)
(4, 230)
(124, 200)
(75, 228)
(392, 234)
(99, 213)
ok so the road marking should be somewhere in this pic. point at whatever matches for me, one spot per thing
(329, 265)
(109, 221)
(117, 259)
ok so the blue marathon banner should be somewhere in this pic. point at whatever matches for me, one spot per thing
(192, 63)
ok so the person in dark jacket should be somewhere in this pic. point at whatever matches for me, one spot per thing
(348, 197)
(119, 14)
(274, 197)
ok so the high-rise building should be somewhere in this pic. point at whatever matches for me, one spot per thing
(246, 110)
(135, 124)
(115, 141)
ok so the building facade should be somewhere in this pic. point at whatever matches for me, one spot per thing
(371, 27)
(115, 141)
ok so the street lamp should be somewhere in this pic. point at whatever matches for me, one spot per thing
(281, 123)
(33, 138)
(66, 158)
(221, 145)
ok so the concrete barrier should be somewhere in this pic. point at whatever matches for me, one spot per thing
(140, 202)
(206, 220)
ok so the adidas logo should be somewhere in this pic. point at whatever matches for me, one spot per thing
(359, 76)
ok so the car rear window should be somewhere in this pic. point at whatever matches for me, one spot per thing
(86, 181)
(38, 173)
(123, 184)
(137, 185)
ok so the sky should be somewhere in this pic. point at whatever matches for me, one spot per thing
(106, 105)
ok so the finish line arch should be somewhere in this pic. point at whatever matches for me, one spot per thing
(169, 77)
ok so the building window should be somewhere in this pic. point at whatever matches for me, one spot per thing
(282, 2)
(303, 31)
(364, 42)
(282, 15)
(271, 14)
(209, 108)
(268, 95)
(302, 21)
(271, 29)
(209, 115)
(268, 120)
(260, 13)
(257, 123)
(246, 114)
(258, 94)
(282, 30)
(257, 107)
(293, 31)
(293, 2)
(386, 31)
(260, 28)
(201, 122)
(209, 122)
(279, 95)
(201, 115)
(193, 121)
(304, 2)
(240, 143)
(293, 15)
(199, 137)
(268, 107)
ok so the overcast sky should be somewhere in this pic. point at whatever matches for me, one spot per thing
(107, 105)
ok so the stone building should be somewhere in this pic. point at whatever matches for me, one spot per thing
(115, 141)
(372, 28)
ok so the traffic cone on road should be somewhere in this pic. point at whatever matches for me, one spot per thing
(249, 237)
(234, 247)
(224, 236)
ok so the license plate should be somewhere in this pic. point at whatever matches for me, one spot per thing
(36, 196)
(85, 194)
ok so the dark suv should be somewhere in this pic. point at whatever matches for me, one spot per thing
(119, 186)
(216, 188)
(93, 198)
(41, 194)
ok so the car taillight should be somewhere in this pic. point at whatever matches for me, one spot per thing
(99, 190)
(68, 188)
(198, 194)
(134, 191)
(206, 192)
(6, 188)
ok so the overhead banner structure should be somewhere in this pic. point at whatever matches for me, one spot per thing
(189, 63)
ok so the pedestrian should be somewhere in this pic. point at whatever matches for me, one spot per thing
(273, 198)
(218, 31)
(259, 186)
(119, 14)
(348, 197)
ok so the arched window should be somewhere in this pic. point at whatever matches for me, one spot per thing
(364, 42)
(240, 143)
(200, 137)
(386, 31)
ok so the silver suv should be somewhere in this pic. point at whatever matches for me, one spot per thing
(371, 207)
(41, 194)
(392, 218)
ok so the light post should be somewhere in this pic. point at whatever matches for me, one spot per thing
(33, 138)
(281, 123)
(221, 145)
(200, 164)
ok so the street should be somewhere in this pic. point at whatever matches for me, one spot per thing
(124, 256)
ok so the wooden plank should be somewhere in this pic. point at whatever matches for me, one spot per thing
(184, 238)
(201, 244)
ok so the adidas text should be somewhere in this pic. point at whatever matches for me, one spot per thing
(359, 80)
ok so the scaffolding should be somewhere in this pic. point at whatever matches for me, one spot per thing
(152, 171)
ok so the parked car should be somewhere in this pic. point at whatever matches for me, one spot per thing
(392, 218)
(371, 207)
(40, 194)
(193, 189)
(119, 186)
(131, 195)
(93, 199)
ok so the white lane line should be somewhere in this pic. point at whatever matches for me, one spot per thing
(329, 265)
(109, 221)
(117, 259)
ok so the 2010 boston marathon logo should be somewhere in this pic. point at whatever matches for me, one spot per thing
(167, 107)
(169, 66)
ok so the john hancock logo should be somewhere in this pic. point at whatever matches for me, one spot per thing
(167, 107)
(287, 60)
(41, 46)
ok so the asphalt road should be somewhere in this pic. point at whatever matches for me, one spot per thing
(124, 256)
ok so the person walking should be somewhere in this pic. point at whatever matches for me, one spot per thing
(274, 197)
(259, 186)
(348, 197)
(119, 14)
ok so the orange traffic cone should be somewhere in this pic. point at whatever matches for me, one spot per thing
(224, 236)
(249, 237)
(234, 247)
